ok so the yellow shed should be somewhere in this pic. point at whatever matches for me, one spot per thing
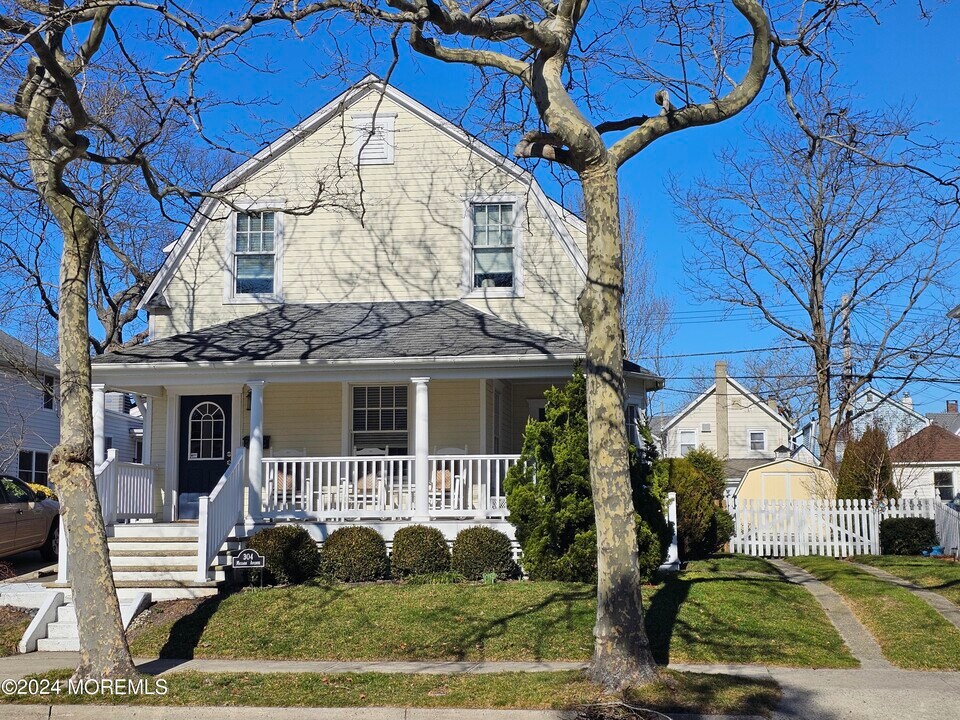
(787, 479)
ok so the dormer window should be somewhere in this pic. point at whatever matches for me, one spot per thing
(373, 139)
(254, 246)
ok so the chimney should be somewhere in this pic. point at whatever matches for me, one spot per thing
(907, 401)
(723, 409)
(951, 406)
(772, 404)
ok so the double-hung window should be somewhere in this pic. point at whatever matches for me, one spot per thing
(380, 419)
(32, 466)
(943, 485)
(688, 442)
(758, 440)
(493, 244)
(255, 254)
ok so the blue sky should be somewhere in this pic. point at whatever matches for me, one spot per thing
(902, 61)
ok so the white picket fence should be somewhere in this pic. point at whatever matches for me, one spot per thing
(839, 528)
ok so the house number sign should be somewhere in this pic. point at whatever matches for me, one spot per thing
(249, 559)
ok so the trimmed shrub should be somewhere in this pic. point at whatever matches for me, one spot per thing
(419, 550)
(550, 497)
(479, 550)
(291, 554)
(355, 554)
(907, 536)
(42, 491)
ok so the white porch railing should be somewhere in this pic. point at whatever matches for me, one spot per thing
(383, 488)
(339, 487)
(469, 485)
(219, 514)
(125, 489)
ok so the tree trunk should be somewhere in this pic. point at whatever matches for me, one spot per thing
(103, 645)
(621, 652)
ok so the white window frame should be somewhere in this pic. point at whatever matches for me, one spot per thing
(224, 440)
(519, 218)
(680, 442)
(953, 483)
(33, 466)
(48, 392)
(230, 294)
(750, 440)
(410, 414)
(360, 124)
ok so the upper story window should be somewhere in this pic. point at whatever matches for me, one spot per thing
(48, 392)
(758, 439)
(688, 442)
(493, 244)
(373, 139)
(255, 254)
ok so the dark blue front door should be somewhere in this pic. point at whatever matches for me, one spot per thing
(204, 448)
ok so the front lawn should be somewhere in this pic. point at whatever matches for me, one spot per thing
(675, 692)
(705, 615)
(937, 574)
(911, 633)
(13, 623)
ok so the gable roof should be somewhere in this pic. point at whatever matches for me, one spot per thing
(554, 211)
(742, 390)
(333, 332)
(930, 445)
(948, 420)
(22, 357)
(880, 401)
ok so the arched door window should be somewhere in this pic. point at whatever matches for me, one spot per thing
(207, 428)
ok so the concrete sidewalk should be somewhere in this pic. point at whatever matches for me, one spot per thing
(949, 611)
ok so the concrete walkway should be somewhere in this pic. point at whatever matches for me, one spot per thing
(861, 643)
(947, 609)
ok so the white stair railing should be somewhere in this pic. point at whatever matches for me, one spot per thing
(219, 514)
(107, 487)
(134, 490)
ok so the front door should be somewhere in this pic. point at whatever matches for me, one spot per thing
(204, 449)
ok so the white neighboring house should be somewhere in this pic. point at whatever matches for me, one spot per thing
(741, 428)
(30, 413)
(316, 369)
(870, 407)
(927, 464)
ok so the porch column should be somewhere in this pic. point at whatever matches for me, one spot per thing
(99, 439)
(421, 448)
(255, 451)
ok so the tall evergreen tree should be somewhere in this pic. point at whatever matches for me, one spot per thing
(866, 470)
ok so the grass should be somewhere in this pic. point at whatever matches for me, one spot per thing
(937, 574)
(911, 633)
(13, 623)
(707, 615)
(674, 692)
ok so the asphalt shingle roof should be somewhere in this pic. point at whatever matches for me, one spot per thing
(353, 331)
(24, 358)
(932, 444)
(948, 420)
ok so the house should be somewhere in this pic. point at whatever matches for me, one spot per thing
(870, 408)
(927, 464)
(786, 478)
(741, 428)
(949, 419)
(369, 359)
(30, 413)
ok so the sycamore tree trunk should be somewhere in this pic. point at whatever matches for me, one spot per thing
(103, 645)
(621, 655)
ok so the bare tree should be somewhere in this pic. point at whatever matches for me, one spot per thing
(647, 314)
(835, 249)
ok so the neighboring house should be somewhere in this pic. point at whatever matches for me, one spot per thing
(787, 478)
(949, 420)
(30, 413)
(741, 428)
(896, 418)
(928, 464)
(376, 366)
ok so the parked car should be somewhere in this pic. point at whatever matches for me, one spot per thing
(27, 522)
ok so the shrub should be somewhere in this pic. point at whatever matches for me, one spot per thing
(291, 554)
(703, 527)
(42, 491)
(419, 550)
(866, 470)
(6, 571)
(480, 550)
(907, 536)
(554, 516)
(355, 554)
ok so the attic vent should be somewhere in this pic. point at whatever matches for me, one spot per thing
(376, 147)
(705, 427)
